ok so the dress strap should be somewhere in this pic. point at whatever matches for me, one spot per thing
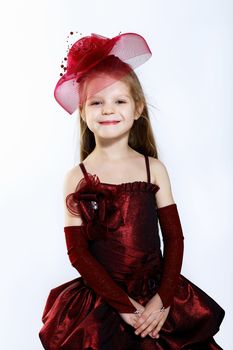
(84, 171)
(147, 167)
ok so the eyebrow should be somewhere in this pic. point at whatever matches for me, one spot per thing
(97, 96)
(125, 96)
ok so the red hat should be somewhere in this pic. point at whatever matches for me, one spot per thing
(87, 52)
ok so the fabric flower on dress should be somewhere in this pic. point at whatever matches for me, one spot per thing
(97, 207)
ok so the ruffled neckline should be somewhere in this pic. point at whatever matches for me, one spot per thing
(136, 185)
(133, 186)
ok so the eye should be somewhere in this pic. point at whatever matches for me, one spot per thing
(121, 101)
(94, 103)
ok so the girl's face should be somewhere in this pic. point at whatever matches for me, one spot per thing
(111, 111)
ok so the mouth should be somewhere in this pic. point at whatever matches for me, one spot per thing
(109, 122)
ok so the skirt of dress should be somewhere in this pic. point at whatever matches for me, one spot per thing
(76, 318)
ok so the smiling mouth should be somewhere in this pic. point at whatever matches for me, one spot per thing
(110, 122)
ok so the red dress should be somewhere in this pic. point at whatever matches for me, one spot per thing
(76, 318)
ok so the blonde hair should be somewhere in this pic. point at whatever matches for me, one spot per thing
(141, 136)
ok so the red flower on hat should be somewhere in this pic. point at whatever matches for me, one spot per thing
(87, 51)
(97, 207)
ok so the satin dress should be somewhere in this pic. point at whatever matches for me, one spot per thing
(76, 318)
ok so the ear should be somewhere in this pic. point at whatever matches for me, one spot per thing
(139, 110)
(83, 117)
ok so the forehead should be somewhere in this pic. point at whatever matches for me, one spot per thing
(103, 86)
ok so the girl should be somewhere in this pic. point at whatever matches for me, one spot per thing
(129, 294)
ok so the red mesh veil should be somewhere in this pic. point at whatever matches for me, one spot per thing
(105, 73)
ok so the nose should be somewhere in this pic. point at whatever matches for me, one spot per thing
(107, 108)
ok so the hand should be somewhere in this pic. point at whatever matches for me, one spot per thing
(131, 318)
(152, 318)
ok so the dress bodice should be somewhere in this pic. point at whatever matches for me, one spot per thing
(132, 245)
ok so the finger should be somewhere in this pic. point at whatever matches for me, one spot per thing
(158, 328)
(153, 336)
(135, 319)
(149, 328)
(144, 316)
(146, 323)
(142, 319)
(149, 321)
(155, 329)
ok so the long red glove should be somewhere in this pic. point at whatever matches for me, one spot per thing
(93, 272)
(173, 252)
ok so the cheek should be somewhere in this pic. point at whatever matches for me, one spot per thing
(91, 114)
(91, 120)
(129, 114)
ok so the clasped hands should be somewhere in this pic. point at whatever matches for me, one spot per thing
(150, 318)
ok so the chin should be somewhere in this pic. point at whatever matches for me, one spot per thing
(110, 134)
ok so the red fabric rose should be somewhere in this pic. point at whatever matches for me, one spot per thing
(97, 207)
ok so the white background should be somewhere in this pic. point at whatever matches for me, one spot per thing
(188, 84)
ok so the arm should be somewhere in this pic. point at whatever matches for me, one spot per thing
(80, 257)
(173, 238)
(173, 252)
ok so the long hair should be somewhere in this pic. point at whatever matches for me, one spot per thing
(141, 136)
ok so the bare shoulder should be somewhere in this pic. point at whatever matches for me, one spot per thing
(71, 179)
(160, 176)
(158, 170)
